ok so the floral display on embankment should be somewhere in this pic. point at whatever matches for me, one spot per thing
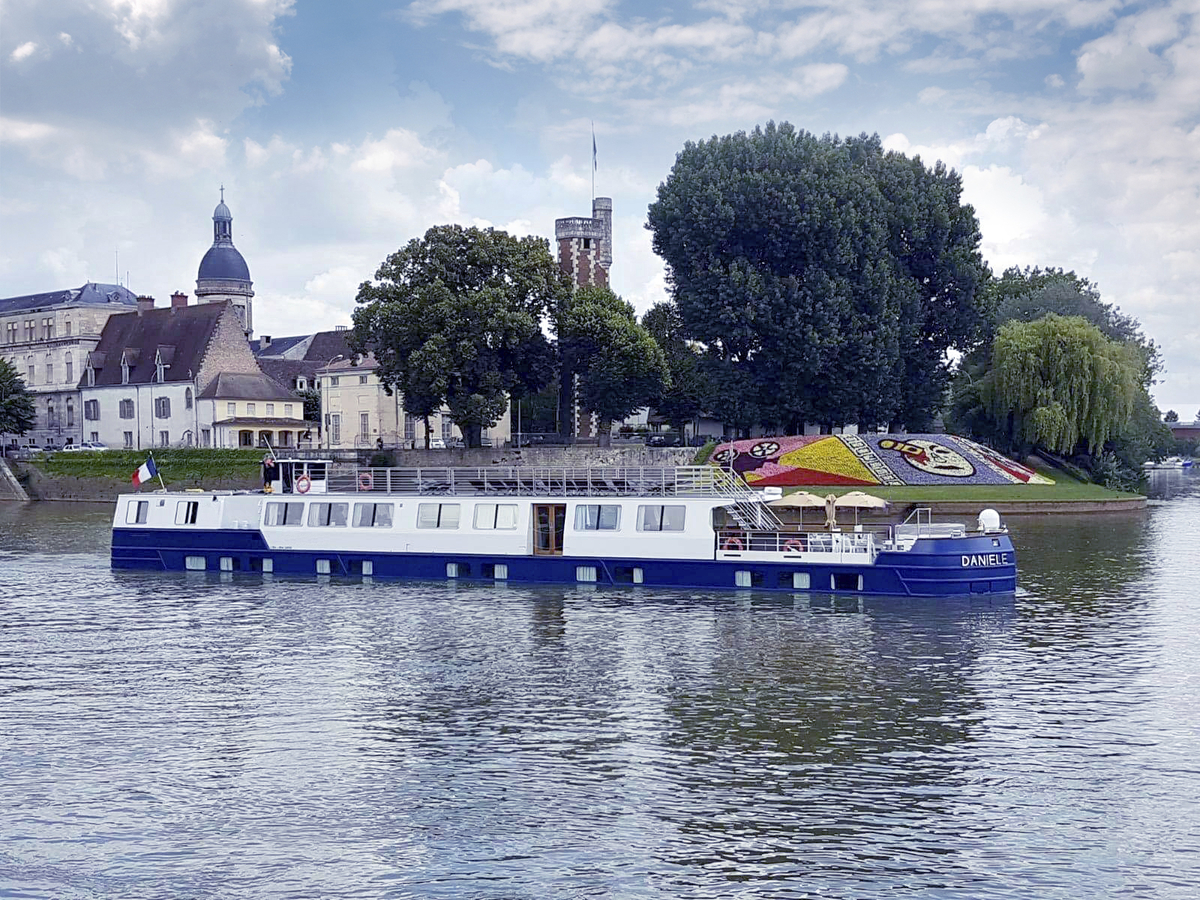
(870, 459)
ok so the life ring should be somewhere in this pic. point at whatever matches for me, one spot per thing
(303, 483)
(366, 481)
(793, 544)
(732, 543)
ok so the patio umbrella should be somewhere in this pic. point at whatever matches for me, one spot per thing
(861, 501)
(799, 498)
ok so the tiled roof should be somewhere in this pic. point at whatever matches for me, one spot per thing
(137, 338)
(233, 386)
(90, 294)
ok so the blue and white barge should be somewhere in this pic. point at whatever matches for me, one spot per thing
(687, 527)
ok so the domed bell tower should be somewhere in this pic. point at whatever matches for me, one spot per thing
(223, 273)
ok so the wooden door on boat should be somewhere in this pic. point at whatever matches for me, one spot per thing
(550, 521)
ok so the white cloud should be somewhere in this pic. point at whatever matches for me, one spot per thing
(397, 149)
(24, 51)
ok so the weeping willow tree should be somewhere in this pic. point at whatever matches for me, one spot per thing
(1059, 383)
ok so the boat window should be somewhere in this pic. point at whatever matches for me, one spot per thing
(316, 471)
(136, 512)
(489, 516)
(597, 517)
(323, 514)
(284, 514)
(437, 515)
(186, 512)
(373, 515)
(660, 518)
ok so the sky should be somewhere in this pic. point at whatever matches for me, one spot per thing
(340, 131)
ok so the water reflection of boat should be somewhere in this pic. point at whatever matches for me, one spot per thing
(1171, 462)
(695, 526)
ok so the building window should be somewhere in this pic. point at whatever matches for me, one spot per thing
(91, 410)
(30, 380)
(49, 373)
(597, 517)
(302, 384)
(67, 328)
(333, 381)
(372, 515)
(187, 398)
(48, 329)
(164, 439)
(437, 515)
(205, 437)
(447, 430)
(410, 428)
(362, 379)
(492, 516)
(364, 425)
(126, 409)
(660, 518)
(245, 438)
(10, 333)
(270, 409)
(231, 410)
(70, 414)
(51, 421)
(70, 367)
(95, 436)
(162, 407)
(287, 409)
(128, 440)
(29, 325)
(335, 428)
(250, 409)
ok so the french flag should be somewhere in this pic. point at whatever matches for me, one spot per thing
(145, 472)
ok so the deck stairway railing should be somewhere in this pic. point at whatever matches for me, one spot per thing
(746, 507)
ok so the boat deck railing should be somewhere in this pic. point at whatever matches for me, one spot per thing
(864, 543)
(559, 481)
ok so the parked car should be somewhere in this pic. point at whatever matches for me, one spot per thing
(95, 445)
(664, 440)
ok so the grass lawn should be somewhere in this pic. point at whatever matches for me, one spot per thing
(177, 466)
(1065, 488)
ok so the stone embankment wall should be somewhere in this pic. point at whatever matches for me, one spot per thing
(10, 487)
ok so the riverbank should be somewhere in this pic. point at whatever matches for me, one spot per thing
(101, 477)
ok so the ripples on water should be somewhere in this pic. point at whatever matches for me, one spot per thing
(175, 736)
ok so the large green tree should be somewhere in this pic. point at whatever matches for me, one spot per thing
(619, 366)
(825, 277)
(1059, 383)
(17, 414)
(684, 398)
(456, 316)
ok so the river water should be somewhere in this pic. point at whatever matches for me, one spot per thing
(174, 736)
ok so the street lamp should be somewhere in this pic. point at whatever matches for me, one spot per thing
(322, 415)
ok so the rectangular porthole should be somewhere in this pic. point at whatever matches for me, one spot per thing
(741, 578)
(268, 565)
(500, 573)
(638, 576)
(800, 581)
(195, 563)
(845, 581)
(451, 570)
(226, 563)
(585, 573)
(368, 567)
(322, 567)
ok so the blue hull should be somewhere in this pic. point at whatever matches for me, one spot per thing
(983, 564)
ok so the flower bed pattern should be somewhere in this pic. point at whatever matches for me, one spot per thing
(870, 459)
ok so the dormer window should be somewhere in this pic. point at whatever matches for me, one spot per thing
(91, 377)
(124, 372)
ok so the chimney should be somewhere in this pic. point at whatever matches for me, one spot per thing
(178, 299)
(145, 303)
(264, 342)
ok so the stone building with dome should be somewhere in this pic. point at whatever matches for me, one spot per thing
(224, 275)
